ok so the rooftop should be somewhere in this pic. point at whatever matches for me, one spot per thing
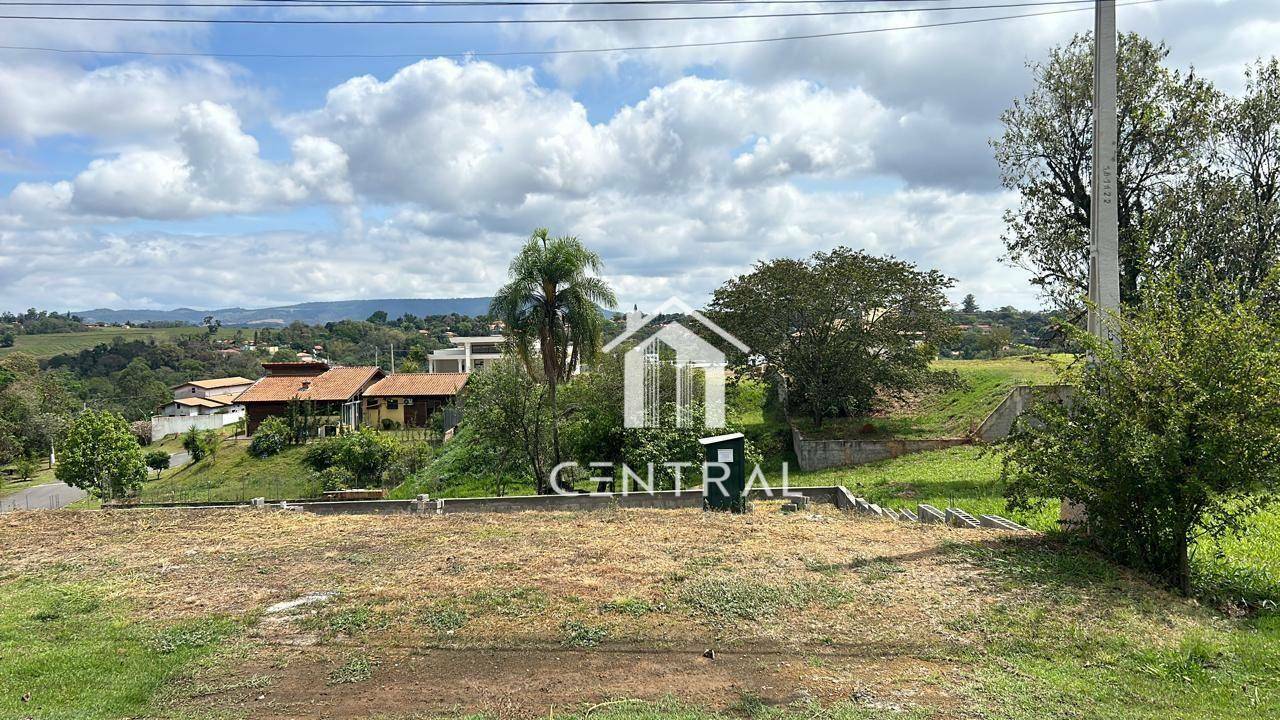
(215, 383)
(335, 384)
(417, 384)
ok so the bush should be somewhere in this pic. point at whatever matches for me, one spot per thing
(336, 478)
(364, 455)
(272, 435)
(1169, 440)
(141, 430)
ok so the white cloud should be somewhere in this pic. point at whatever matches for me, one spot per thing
(115, 104)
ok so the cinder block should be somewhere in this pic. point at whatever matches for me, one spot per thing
(906, 515)
(1000, 523)
(930, 515)
(958, 518)
(889, 513)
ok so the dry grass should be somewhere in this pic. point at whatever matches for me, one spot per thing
(825, 603)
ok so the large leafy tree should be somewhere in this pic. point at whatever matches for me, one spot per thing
(551, 307)
(1167, 123)
(100, 455)
(1169, 441)
(840, 329)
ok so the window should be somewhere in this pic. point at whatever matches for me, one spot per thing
(371, 403)
(392, 404)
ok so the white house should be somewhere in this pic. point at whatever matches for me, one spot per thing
(217, 386)
(470, 353)
(201, 404)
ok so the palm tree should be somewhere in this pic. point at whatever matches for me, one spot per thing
(551, 307)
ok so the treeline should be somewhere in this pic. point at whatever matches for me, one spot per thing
(982, 334)
(36, 322)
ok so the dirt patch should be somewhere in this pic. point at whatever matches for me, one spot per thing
(539, 682)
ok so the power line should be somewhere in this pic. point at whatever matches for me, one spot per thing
(572, 51)
(250, 4)
(514, 21)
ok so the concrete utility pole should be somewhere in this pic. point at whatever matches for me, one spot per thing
(1104, 230)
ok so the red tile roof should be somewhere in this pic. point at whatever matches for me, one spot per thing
(417, 385)
(336, 384)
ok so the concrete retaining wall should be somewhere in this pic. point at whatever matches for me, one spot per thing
(1000, 422)
(823, 454)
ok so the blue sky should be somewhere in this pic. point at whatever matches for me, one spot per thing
(130, 181)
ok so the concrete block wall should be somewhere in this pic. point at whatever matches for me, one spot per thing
(824, 454)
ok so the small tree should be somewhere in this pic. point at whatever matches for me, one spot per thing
(100, 455)
(970, 304)
(510, 413)
(157, 460)
(193, 442)
(26, 467)
(1170, 441)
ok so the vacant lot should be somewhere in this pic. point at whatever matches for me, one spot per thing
(164, 613)
(46, 346)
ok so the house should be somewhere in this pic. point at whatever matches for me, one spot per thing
(470, 353)
(201, 404)
(335, 392)
(217, 386)
(409, 399)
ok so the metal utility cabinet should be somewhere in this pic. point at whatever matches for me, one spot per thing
(728, 494)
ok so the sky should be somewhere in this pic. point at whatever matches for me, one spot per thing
(219, 180)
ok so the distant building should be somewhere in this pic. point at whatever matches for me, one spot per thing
(470, 354)
(216, 386)
(335, 392)
(201, 404)
(409, 399)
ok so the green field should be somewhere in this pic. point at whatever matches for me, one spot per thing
(46, 346)
(951, 413)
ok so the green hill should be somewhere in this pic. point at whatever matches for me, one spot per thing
(46, 346)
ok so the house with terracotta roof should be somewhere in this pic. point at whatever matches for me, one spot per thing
(334, 392)
(214, 386)
(409, 399)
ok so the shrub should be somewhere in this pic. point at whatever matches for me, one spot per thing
(364, 456)
(272, 435)
(1171, 439)
(335, 478)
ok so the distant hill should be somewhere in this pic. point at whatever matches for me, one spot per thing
(312, 313)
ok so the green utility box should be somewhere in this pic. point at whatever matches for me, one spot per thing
(727, 494)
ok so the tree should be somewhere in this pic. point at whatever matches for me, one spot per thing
(551, 307)
(193, 442)
(970, 305)
(100, 455)
(1166, 120)
(1171, 441)
(379, 317)
(509, 414)
(157, 460)
(26, 467)
(840, 329)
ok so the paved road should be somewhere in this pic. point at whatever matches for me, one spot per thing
(49, 496)
(178, 459)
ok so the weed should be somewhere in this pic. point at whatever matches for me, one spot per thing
(356, 669)
(66, 602)
(443, 620)
(517, 602)
(347, 621)
(579, 634)
(730, 599)
(188, 636)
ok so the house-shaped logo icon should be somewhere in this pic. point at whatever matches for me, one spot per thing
(642, 367)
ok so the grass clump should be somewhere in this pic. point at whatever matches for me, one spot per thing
(356, 669)
(347, 621)
(444, 620)
(575, 633)
(631, 606)
(728, 600)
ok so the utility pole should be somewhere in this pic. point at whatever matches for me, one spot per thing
(1104, 228)
(393, 358)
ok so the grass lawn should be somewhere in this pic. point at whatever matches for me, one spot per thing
(46, 346)
(234, 474)
(953, 413)
(79, 653)
(42, 476)
(605, 614)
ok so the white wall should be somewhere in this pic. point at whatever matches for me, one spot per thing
(162, 425)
